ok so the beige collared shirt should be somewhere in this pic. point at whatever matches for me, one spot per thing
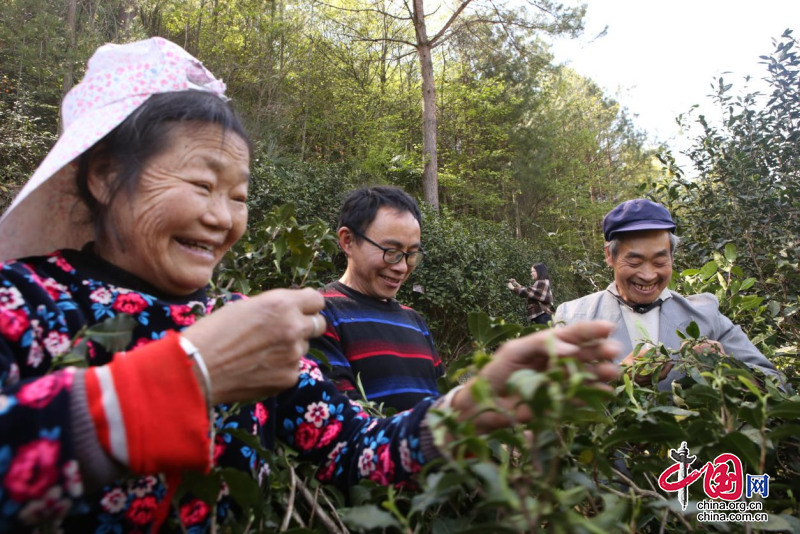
(642, 327)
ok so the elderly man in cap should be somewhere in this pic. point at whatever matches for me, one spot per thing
(640, 245)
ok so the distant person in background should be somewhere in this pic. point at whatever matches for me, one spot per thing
(539, 295)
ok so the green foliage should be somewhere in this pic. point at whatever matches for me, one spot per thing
(746, 192)
(589, 460)
(531, 158)
(579, 156)
(760, 318)
(113, 334)
(278, 252)
(467, 264)
(310, 88)
(316, 190)
(24, 141)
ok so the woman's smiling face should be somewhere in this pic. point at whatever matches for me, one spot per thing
(188, 210)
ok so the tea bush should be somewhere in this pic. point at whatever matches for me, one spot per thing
(743, 188)
(588, 462)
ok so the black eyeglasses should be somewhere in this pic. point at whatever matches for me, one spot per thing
(393, 255)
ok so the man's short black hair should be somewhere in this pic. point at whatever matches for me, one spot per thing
(361, 206)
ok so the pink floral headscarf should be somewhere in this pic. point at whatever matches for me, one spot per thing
(47, 214)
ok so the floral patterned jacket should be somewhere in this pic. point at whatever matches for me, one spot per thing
(45, 302)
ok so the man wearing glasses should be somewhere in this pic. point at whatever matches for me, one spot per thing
(369, 335)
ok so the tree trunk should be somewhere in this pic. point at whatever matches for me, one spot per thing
(430, 171)
(214, 21)
(127, 11)
(199, 30)
(69, 70)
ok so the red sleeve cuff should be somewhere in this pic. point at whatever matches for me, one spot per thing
(149, 410)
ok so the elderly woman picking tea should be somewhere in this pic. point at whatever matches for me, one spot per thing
(129, 213)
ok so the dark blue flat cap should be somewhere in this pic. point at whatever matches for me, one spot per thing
(637, 214)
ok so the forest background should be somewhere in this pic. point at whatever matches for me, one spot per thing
(527, 156)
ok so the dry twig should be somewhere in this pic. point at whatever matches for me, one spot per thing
(290, 503)
(317, 510)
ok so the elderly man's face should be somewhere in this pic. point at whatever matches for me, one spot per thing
(188, 210)
(643, 266)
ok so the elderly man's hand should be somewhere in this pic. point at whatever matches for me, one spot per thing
(585, 341)
(641, 379)
(709, 345)
(252, 347)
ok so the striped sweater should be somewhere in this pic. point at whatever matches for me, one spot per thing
(388, 345)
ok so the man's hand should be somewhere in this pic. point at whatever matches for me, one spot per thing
(644, 380)
(708, 345)
(585, 341)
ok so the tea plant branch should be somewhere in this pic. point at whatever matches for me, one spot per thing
(178, 514)
(593, 504)
(627, 496)
(311, 266)
(311, 500)
(299, 519)
(335, 514)
(230, 284)
(650, 481)
(639, 491)
(391, 505)
(549, 483)
(290, 502)
(663, 527)
(531, 520)
(317, 510)
(249, 524)
(643, 493)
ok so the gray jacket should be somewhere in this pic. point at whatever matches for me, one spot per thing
(676, 314)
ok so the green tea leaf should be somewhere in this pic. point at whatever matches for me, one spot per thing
(730, 252)
(693, 330)
(243, 488)
(708, 270)
(478, 326)
(784, 431)
(743, 447)
(785, 410)
(647, 433)
(367, 517)
(113, 334)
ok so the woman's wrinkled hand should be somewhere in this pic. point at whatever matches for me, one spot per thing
(252, 347)
(586, 342)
